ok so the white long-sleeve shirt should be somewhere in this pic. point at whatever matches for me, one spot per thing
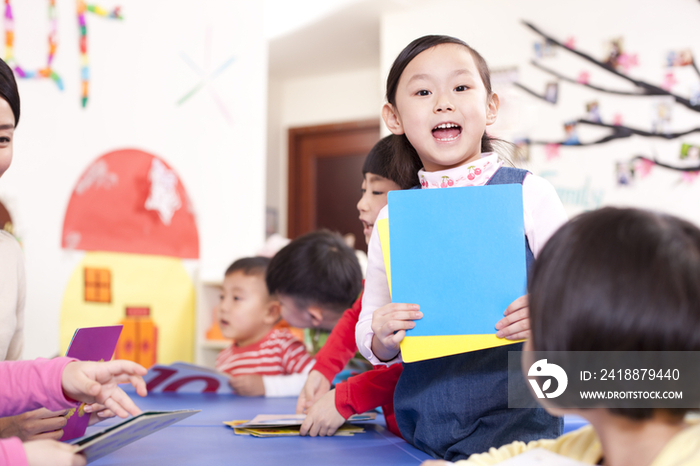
(543, 214)
(12, 297)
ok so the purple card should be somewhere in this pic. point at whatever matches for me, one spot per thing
(94, 343)
(89, 344)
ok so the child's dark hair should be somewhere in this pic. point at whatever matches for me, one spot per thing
(317, 268)
(379, 158)
(406, 163)
(256, 265)
(8, 89)
(618, 280)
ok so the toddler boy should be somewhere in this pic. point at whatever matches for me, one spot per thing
(262, 360)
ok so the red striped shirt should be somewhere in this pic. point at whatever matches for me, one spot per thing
(278, 353)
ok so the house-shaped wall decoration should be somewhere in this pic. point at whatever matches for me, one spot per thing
(130, 213)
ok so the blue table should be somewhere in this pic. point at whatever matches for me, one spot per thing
(202, 439)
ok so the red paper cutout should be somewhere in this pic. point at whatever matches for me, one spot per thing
(107, 210)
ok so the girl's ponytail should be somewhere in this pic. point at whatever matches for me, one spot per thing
(405, 163)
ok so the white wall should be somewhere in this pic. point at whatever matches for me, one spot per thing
(138, 74)
(584, 176)
(308, 101)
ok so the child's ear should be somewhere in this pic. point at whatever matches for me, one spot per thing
(392, 119)
(273, 312)
(316, 315)
(492, 109)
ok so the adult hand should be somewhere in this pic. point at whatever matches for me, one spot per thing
(316, 386)
(389, 324)
(34, 425)
(516, 323)
(247, 385)
(43, 452)
(323, 418)
(98, 382)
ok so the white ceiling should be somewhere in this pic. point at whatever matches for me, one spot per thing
(343, 39)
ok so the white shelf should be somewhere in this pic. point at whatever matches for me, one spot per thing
(206, 350)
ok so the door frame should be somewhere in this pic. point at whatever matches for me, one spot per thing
(301, 187)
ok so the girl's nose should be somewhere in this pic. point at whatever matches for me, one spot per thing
(443, 105)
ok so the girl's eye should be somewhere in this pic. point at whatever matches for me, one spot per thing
(363, 191)
(4, 140)
(461, 88)
(377, 193)
(236, 298)
(221, 297)
(423, 92)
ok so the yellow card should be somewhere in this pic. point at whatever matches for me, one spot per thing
(383, 229)
(430, 347)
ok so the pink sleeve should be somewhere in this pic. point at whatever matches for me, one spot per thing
(12, 452)
(28, 385)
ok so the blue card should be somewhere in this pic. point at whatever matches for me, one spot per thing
(460, 254)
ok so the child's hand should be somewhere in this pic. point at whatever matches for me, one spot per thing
(97, 413)
(92, 382)
(516, 323)
(40, 424)
(247, 385)
(43, 452)
(389, 324)
(316, 386)
(323, 419)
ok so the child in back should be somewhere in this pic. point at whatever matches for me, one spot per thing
(327, 409)
(262, 360)
(316, 278)
(617, 280)
(440, 103)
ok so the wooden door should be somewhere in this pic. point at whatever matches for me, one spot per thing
(325, 177)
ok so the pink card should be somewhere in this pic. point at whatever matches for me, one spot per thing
(89, 344)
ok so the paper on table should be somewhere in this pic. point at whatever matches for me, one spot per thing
(287, 420)
(345, 430)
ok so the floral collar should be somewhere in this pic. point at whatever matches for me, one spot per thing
(476, 173)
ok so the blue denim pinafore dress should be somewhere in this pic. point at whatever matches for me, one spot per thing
(455, 406)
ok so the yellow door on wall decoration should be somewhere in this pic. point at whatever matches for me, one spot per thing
(107, 287)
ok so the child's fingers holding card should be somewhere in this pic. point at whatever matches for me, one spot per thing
(516, 323)
(394, 317)
(520, 303)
